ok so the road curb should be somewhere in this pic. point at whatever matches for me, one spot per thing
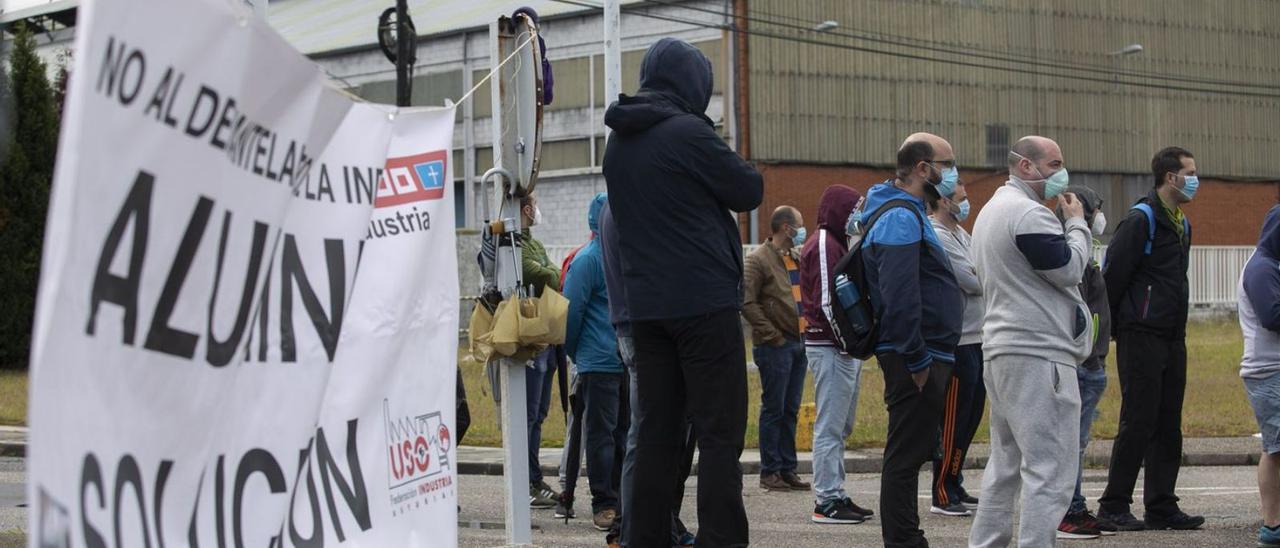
(853, 465)
(13, 449)
(873, 465)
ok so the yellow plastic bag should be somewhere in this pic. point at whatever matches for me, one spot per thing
(481, 326)
(554, 309)
(505, 336)
(533, 327)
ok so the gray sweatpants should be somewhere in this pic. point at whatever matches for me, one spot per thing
(1035, 424)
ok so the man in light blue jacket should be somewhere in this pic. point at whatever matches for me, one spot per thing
(592, 344)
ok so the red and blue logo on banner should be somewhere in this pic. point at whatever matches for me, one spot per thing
(412, 179)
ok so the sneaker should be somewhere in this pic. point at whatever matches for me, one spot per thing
(1177, 521)
(969, 500)
(955, 509)
(1094, 522)
(1073, 527)
(1268, 537)
(795, 482)
(836, 512)
(564, 507)
(774, 482)
(686, 540)
(541, 496)
(603, 519)
(848, 503)
(614, 536)
(1122, 521)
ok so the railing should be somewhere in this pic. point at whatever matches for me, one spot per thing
(1214, 272)
(557, 253)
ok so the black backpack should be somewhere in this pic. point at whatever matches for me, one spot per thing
(854, 323)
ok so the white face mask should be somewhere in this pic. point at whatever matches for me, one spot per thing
(537, 217)
(1099, 224)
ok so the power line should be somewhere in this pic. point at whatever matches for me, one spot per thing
(919, 57)
(969, 51)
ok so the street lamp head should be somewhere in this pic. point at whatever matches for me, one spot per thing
(826, 26)
(1130, 49)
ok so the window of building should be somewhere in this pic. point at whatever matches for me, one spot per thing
(997, 145)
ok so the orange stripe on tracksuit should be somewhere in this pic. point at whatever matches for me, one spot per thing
(948, 441)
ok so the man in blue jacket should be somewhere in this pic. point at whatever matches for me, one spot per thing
(672, 183)
(1259, 306)
(593, 346)
(920, 310)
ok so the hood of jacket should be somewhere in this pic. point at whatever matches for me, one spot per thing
(675, 78)
(837, 202)
(885, 192)
(1089, 198)
(593, 212)
(1269, 240)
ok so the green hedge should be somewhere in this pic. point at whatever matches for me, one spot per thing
(29, 143)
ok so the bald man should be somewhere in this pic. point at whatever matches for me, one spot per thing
(1037, 328)
(920, 308)
(771, 305)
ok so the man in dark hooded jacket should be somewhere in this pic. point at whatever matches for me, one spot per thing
(672, 184)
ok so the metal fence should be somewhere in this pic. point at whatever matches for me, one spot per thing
(1214, 272)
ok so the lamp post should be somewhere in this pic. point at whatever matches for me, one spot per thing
(1130, 49)
(826, 26)
(398, 41)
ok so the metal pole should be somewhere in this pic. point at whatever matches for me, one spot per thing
(612, 52)
(468, 141)
(515, 433)
(404, 53)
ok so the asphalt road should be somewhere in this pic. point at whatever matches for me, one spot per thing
(1226, 496)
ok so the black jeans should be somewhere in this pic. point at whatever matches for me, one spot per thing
(1153, 380)
(695, 366)
(604, 435)
(914, 417)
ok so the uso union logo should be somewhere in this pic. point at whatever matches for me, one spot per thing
(418, 469)
(411, 179)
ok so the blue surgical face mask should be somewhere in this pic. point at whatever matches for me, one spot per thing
(963, 212)
(1053, 184)
(1056, 183)
(950, 176)
(1190, 186)
(798, 239)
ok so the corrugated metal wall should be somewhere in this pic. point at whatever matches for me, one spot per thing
(822, 104)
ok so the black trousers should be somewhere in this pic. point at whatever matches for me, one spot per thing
(462, 410)
(695, 366)
(914, 417)
(1153, 380)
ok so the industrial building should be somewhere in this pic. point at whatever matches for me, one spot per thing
(820, 92)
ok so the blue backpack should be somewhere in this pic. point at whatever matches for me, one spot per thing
(1151, 225)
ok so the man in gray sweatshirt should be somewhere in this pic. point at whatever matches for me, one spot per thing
(1037, 329)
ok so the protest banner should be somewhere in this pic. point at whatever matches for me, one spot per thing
(247, 319)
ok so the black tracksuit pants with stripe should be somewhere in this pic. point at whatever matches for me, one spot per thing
(961, 414)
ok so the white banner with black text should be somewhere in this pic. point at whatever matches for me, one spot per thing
(247, 319)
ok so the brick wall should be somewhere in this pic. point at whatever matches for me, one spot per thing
(564, 202)
(1224, 212)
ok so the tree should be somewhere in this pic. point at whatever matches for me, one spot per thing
(25, 178)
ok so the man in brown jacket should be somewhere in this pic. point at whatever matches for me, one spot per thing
(771, 304)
